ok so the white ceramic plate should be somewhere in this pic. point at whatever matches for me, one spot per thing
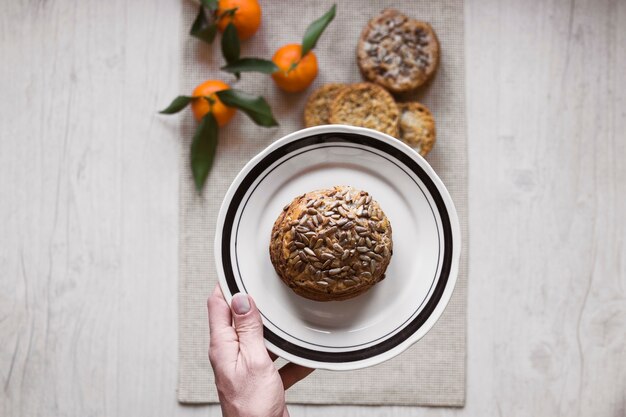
(394, 313)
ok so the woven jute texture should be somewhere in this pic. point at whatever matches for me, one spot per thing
(431, 372)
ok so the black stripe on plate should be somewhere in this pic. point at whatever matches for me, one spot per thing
(402, 335)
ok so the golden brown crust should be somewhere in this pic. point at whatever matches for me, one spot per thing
(416, 127)
(366, 105)
(331, 244)
(317, 109)
(397, 52)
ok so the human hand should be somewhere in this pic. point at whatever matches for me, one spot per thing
(247, 381)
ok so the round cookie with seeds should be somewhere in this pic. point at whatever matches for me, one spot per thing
(416, 127)
(366, 105)
(397, 52)
(331, 244)
(317, 109)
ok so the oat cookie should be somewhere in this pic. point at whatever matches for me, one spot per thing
(397, 52)
(317, 109)
(366, 105)
(416, 127)
(331, 244)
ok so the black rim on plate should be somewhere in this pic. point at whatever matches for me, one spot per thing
(413, 166)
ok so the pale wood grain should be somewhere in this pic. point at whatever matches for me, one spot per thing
(88, 202)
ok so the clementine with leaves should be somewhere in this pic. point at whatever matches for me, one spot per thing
(295, 72)
(244, 14)
(297, 64)
(211, 103)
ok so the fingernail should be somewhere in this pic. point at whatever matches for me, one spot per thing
(241, 305)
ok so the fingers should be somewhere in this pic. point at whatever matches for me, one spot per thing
(292, 373)
(223, 346)
(219, 312)
(248, 323)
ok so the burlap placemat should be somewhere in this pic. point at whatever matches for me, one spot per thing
(432, 372)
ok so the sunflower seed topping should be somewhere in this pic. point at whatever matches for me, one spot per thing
(375, 256)
(348, 225)
(327, 255)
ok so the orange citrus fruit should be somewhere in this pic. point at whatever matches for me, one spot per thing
(201, 107)
(246, 17)
(296, 72)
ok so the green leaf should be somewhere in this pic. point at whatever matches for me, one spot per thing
(230, 44)
(254, 106)
(251, 65)
(203, 28)
(203, 149)
(177, 105)
(209, 4)
(315, 30)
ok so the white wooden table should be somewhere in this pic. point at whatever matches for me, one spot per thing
(89, 214)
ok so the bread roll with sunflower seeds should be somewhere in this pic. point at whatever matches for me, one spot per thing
(331, 244)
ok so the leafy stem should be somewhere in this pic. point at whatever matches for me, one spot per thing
(315, 30)
(227, 13)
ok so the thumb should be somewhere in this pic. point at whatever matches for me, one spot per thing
(248, 322)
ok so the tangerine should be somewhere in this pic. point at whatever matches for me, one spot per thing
(201, 107)
(297, 72)
(244, 14)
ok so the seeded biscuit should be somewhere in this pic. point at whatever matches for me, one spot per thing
(366, 105)
(331, 244)
(397, 52)
(317, 109)
(416, 127)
